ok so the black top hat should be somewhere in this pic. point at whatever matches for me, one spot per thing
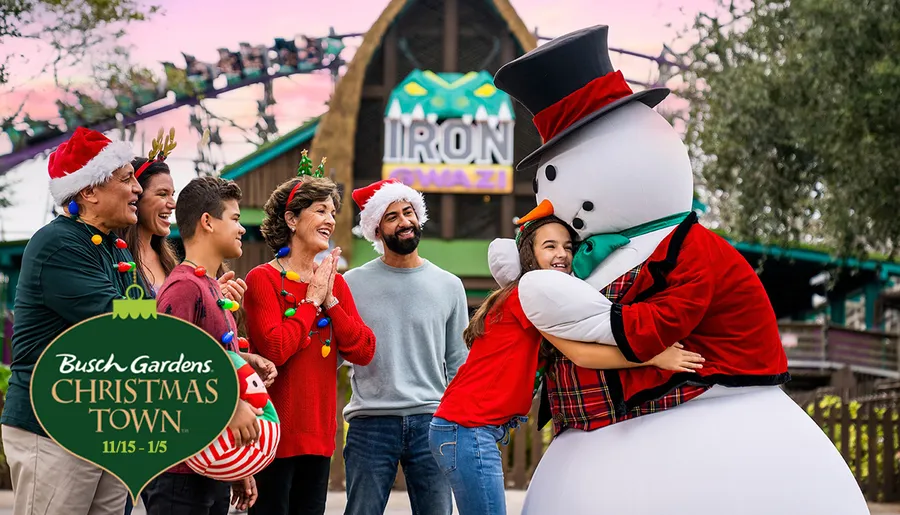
(557, 69)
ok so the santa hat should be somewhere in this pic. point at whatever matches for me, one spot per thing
(373, 201)
(89, 158)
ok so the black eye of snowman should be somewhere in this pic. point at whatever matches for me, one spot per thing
(534, 185)
(550, 172)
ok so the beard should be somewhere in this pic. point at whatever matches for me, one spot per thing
(403, 247)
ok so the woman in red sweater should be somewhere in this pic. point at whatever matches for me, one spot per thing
(493, 389)
(301, 316)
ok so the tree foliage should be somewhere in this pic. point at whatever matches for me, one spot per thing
(794, 122)
(71, 28)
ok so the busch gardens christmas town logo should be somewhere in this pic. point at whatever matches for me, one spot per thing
(134, 392)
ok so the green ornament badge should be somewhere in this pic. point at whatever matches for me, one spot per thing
(134, 392)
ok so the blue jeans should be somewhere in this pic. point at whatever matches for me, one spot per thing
(471, 460)
(375, 446)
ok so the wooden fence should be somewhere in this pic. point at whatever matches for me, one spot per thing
(834, 347)
(868, 417)
(866, 434)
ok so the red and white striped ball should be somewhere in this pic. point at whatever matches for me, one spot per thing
(221, 460)
(225, 462)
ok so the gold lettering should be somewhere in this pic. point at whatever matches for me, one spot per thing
(210, 383)
(112, 419)
(166, 390)
(175, 425)
(193, 389)
(105, 387)
(79, 390)
(130, 389)
(56, 396)
(149, 383)
(99, 412)
(145, 416)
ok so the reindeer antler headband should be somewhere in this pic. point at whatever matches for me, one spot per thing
(305, 168)
(159, 150)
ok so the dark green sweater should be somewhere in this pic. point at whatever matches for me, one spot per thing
(65, 278)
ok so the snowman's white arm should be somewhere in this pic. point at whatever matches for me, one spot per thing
(564, 306)
(644, 329)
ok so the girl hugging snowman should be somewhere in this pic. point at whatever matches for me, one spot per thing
(492, 392)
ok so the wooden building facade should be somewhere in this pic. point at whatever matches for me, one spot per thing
(437, 35)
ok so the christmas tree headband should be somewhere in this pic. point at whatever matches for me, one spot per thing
(305, 168)
(159, 150)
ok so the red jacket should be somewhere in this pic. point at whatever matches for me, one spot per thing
(698, 290)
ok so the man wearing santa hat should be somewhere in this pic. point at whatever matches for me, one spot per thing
(418, 313)
(69, 274)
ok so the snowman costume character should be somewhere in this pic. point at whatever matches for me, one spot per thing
(643, 441)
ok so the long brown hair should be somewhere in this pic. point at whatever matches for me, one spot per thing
(527, 261)
(162, 246)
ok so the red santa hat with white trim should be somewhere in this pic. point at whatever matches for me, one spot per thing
(89, 158)
(373, 201)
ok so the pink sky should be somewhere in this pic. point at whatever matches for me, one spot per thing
(200, 27)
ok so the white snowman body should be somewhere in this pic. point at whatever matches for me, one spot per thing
(736, 451)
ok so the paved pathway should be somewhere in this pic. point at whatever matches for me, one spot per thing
(399, 504)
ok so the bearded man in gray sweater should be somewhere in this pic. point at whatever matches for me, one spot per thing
(418, 313)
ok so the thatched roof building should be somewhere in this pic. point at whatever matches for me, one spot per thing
(439, 36)
(378, 57)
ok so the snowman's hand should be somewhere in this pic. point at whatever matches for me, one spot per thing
(503, 260)
(564, 306)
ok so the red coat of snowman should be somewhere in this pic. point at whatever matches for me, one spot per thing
(619, 174)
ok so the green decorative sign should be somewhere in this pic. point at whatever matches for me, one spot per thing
(450, 133)
(441, 96)
(134, 392)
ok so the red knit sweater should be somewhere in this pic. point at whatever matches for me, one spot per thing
(305, 391)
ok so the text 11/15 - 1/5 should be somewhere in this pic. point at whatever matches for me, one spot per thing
(130, 447)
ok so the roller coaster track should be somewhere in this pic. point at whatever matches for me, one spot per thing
(35, 148)
(8, 161)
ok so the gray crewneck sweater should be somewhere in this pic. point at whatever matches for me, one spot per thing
(418, 316)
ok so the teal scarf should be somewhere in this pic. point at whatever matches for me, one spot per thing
(595, 249)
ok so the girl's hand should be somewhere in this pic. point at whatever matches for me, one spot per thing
(318, 287)
(677, 359)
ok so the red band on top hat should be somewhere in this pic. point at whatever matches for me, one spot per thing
(580, 103)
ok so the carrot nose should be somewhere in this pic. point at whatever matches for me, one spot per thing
(545, 208)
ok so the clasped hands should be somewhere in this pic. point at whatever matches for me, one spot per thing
(321, 286)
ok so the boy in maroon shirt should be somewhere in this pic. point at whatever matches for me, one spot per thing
(208, 216)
